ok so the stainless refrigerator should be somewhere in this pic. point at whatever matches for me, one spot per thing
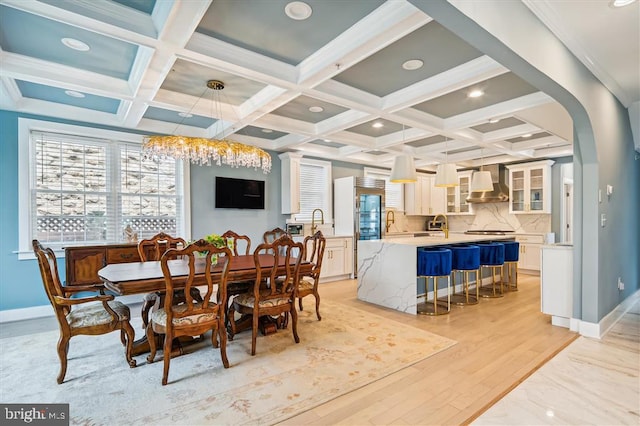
(359, 210)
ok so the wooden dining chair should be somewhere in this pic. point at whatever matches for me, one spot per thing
(241, 243)
(275, 287)
(191, 317)
(270, 236)
(88, 315)
(152, 249)
(313, 252)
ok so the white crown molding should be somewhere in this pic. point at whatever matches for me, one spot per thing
(544, 10)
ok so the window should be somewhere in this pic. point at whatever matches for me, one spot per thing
(84, 186)
(393, 192)
(315, 189)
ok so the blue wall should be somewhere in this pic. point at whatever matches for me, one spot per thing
(20, 282)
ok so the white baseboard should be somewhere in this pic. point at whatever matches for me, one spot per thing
(33, 312)
(26, 313)
(597, 330)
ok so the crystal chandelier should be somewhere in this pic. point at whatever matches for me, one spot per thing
(205, 151)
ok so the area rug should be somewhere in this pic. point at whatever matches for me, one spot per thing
(348, 349)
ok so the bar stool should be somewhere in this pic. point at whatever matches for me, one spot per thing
(465, 258)
(491, 257)
(434, 263)
(510, 269)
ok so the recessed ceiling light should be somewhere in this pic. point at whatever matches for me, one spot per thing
(316, 109)
(476, 93)
(74, 44)
(74, 94)
(327, 140)
(267, 131)
(412, 64)
(185, 114)
(494, 120)
(621, 3)
(377, 125)
(298, 10)
(526, 135)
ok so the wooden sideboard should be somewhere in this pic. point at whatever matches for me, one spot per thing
(83, 262)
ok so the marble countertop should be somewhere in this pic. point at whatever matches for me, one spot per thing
(438, 240)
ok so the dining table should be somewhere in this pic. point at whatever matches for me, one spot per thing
(147, 277)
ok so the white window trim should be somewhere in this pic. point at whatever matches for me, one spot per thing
(25, 127)
(328, 215)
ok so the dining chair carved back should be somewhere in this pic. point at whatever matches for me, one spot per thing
(152, 249)
(191, 317)
(313, 252)
(88, 315)
(241, 243)
(270, 236)
(274, 290)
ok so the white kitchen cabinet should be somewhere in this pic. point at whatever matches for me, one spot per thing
(530, 187)
(290, 182)
(422, 198)
(556, 283)
(457, 195)
(337, 262)
(529, 256)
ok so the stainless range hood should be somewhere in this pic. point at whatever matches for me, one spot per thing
(500, 191)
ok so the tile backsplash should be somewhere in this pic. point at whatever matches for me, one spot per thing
(487, 216)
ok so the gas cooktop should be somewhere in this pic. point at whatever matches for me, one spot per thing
(487, 232)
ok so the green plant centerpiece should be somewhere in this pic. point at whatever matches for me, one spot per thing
(217, 241)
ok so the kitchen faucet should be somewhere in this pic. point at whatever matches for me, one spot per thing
(445, 227)
(313, 220)
(392, 220)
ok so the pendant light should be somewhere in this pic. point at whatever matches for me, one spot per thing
(404, 169)
(446, 174)
(481, 180)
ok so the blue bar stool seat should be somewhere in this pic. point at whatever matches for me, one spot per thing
(434, 263)
(465, 260)
(510, 269)
(491, 257)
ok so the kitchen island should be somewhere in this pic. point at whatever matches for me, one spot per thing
(387, 269)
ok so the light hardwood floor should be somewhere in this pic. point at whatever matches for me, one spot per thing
(500, 343)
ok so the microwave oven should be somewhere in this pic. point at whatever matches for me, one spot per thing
(295, 229)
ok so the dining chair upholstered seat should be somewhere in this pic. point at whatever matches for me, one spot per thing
(79, 312)
(249, 300)
(465, 259)
(160, 316)
(94, 314)
(492, 258)
(510, 269)
(434, 263)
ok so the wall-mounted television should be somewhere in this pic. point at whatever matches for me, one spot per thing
(239, 193)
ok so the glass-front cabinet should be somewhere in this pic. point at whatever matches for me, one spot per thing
(530, 187)
(457, 195)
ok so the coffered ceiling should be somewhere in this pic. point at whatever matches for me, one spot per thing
(321, 86)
